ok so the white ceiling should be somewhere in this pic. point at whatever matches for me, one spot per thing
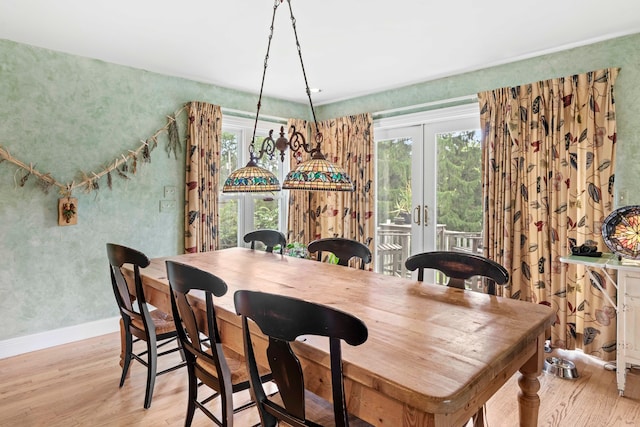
(350, 48)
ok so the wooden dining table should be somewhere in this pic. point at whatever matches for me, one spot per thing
(434, 354)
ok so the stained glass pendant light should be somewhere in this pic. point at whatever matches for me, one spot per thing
(312, 175)
(318, 174)
(251, 179)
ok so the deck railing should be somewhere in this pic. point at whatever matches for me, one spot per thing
(461, 241)
(394, 245)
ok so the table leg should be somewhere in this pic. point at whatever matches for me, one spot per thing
(528, 399)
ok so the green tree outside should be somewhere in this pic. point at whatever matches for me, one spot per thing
(459, 187)
(266, 214)
(228, 211)
(394, 178)
(228, 207)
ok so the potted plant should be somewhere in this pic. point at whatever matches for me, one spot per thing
(402, 207)
(297, 250)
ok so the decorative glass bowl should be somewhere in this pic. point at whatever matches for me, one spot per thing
(621, 232)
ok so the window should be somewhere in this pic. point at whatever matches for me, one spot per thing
(244, 212)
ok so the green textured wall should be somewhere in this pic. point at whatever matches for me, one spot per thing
(64, 114)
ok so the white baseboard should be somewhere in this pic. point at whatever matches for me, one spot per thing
(41, 340)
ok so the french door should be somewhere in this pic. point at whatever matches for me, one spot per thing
(428, 185)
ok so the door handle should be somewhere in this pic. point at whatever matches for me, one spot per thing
(416, 215)
(426, 215)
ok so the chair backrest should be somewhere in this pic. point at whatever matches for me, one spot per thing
(197, 342)
(459, 266)
(343, 249)
(283, 319)
(118, 256)
(270, 238)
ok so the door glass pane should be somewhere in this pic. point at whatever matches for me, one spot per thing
(459, 192)
(393, 205)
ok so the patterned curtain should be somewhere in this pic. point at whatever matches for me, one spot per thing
(548, 173)
(348, 141)
(202, 179)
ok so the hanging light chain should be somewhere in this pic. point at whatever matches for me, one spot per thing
(298, 140)
(252, 156)
(304, 74)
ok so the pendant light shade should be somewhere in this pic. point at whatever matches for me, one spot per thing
(251, 179)
(318, 174)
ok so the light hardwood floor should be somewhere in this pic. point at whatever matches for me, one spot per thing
(77, 385)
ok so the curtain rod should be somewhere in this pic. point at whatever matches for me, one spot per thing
(376, 115)
(246, 114)
(425, 106)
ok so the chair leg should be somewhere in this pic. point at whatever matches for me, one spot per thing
(152, 360)
(128, 348)
(227, 409)
(193, 396)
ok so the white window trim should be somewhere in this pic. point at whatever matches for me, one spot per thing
(426, 117)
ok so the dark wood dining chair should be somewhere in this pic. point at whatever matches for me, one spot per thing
(459, 267)
(270, 238)
(343, 249)
(156, 328)
(209, 361)
(282, 319)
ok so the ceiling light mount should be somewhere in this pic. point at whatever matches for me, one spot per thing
(315, 174)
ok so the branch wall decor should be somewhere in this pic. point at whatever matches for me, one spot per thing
(123, 165)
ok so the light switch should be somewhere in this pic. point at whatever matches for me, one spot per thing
(167, 206)
(169, 192)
